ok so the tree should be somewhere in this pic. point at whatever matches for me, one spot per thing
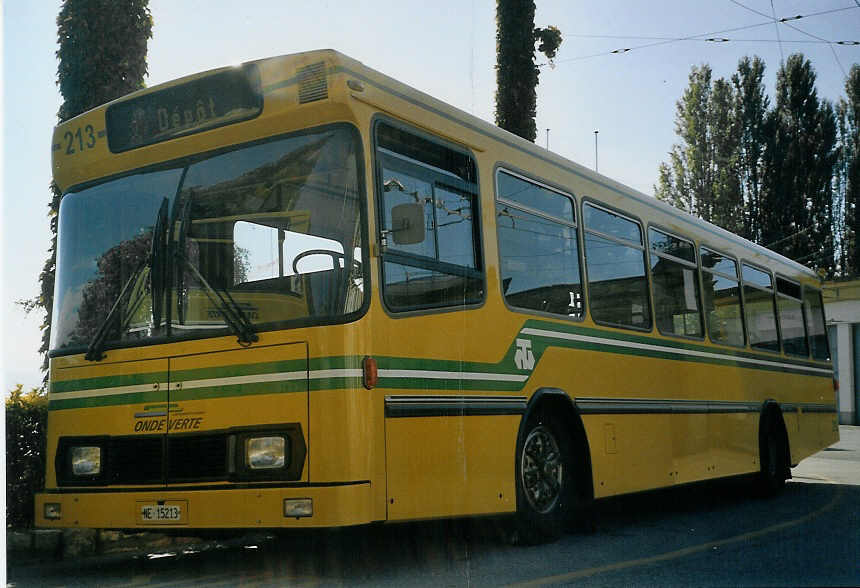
(799, 157)
(702, 176)
(102, 56)
(516, 71)
(751, 107)
(847, 176)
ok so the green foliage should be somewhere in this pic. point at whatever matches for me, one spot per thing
(751, 106)
(703, 176)
(26, 418)
(102, 51)
(516, 71)
(799, 158)
(847, 180)
(102, 56)
(766, 174)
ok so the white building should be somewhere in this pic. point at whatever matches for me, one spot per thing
(842, 312)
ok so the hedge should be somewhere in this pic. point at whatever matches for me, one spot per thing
(26, 418)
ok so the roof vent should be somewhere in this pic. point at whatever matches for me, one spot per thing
(313, 84)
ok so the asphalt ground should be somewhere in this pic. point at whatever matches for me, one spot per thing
(712, 534)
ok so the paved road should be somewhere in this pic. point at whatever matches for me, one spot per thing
(710, 535)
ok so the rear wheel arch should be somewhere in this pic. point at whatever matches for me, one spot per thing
(772, 429)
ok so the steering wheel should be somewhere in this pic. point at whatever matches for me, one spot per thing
(335, 258)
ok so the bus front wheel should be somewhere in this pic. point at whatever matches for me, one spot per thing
(545, 480)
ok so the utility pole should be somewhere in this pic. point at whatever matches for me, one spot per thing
(547, 139)
(595, 149)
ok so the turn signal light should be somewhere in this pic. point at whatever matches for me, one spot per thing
(370, 373)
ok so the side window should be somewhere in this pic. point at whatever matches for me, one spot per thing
(722, 295)
(790, 310)
(759, 304)
(538, 247)
(615, 264)
(429, 234)
(815, 324)
(675, 283)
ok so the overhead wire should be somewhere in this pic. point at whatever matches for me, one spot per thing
(694, 37)
(776, 27)
(801, 31)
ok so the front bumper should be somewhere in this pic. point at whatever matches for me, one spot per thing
(227, 507)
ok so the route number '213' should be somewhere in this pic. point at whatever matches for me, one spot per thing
(84, 138)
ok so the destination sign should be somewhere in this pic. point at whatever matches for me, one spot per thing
(212, 101)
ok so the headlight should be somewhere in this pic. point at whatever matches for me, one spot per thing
(266, 453)
(86, 461)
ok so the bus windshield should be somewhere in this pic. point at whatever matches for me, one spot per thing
(260, 237)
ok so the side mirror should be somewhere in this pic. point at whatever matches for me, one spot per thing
(407, 223)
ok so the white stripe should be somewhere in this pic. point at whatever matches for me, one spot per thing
(191, 384)
(452, 375)
(106, 391)
(233, 380)
(660, 348)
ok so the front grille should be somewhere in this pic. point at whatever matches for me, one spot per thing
(135, 460)
(197, 457)
(178, 458)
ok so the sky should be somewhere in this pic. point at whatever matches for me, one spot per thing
(445, 48)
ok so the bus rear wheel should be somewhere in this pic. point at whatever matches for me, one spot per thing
(774, 465)
(545, 480)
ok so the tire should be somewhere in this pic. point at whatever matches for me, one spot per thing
(545, 480)
(773, 459)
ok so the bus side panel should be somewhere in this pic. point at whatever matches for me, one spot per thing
(450, 465)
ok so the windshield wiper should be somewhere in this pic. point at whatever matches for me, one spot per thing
(149, 267)
(232, 312)
(224, 303)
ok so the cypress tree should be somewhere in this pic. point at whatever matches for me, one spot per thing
(102, 56)
(847, 178)
(516, 71)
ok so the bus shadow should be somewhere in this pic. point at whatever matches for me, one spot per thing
(448, 551)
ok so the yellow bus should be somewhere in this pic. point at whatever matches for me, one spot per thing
(298, 293)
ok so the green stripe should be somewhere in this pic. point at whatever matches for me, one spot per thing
(283, 387)
(505, 365)
(113, 400)
(246, 369)
(108, 382)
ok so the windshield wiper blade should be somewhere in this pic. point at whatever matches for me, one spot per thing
(232, 312)
(95, 348)
(153, 263)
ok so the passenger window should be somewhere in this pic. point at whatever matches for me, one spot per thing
(676, 285)
(814, 312)
(759, 304)
(790, 310)
(722, 296)
(615, 264)
(538, 247)
(429, 234)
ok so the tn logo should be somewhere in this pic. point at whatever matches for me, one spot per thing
(524, 358)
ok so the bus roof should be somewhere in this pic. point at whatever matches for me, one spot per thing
(277, 73)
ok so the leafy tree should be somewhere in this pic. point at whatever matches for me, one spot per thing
(751, 107)
(516, 71)
(702, 176)
(797, 218)
(102, 56)
(847, 176)
(26, 416)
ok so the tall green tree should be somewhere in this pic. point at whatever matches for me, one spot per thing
(102, 56)
(702, 174)
(516, 71)
(799, 158)
(751, 107)
(847, 176)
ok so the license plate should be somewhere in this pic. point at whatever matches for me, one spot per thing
(171, 511)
